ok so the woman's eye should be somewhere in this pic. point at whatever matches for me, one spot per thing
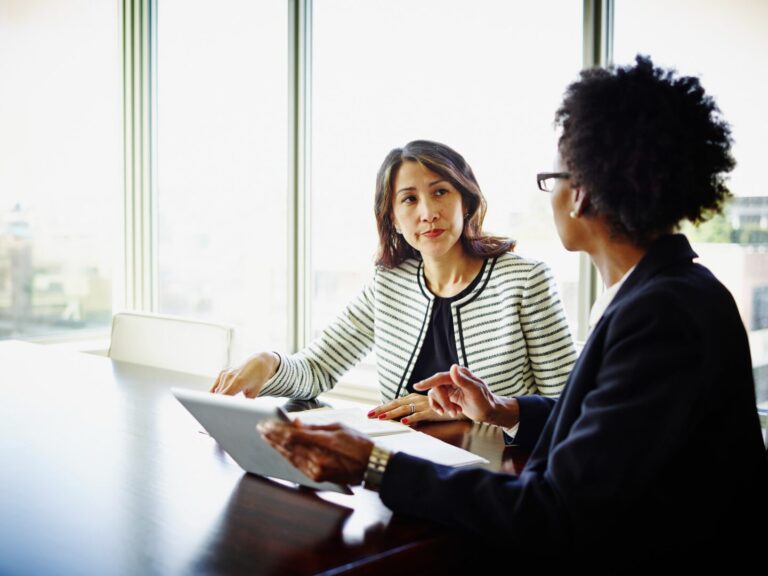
(441, 191)
(409, 199)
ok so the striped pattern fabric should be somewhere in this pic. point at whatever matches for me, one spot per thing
(510, 331)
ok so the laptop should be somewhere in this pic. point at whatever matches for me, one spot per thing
(231, 421)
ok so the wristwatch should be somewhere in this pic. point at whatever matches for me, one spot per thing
(377, 463)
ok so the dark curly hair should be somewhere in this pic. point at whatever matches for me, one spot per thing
(649, 148)
(449, 164)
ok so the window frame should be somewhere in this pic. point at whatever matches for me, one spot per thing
(140, 269)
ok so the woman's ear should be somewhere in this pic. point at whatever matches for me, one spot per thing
(580, 202)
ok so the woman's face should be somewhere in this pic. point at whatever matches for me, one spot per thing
(563, 199)
(428, 211)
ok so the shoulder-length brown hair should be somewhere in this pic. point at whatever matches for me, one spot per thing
(442, 160)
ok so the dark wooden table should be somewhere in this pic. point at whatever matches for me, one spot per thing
(104, 472)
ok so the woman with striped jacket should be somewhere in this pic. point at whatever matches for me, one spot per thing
(443, 293)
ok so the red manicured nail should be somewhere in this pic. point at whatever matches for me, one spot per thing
(371, 413)
(383, 416)
(404, 420)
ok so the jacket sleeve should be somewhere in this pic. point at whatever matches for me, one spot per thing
(545, 329)
(534, 412)
(318, 367)
(639, 395)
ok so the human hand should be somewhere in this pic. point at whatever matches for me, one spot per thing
(326, 453)
(249, 377)
(459, 391)
(409, 410)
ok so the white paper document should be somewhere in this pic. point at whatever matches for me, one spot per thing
(392, 435)
(429, 448)
(354, 418)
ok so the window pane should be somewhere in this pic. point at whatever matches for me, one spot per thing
(478, 76)
(735, 247)
(60, 165)
(222, 155)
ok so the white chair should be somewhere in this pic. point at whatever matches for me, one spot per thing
(172, 343)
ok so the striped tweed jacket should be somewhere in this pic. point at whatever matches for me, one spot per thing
(510, 331)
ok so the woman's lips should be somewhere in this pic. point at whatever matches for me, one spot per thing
(433, 233)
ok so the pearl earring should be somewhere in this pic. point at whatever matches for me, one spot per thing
(573, 214)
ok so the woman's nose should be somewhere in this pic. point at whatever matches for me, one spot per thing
(429, 212)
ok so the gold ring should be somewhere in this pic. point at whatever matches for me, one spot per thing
(413, 408)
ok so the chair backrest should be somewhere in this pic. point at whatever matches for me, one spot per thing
(170, 342)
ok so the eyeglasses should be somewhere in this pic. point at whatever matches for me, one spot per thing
(546, 180)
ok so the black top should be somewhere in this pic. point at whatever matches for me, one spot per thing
(439, 352)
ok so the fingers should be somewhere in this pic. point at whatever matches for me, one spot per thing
(397, 413)
(281, 436)
(301, 457)
(463, 378)
(227, 383)
(384, 410)
(449, 390)
(284, 434)
(222, 380)
(273, 431)
(398, 407)
(249, 377)
(317, 463)
(337, 455)
(473, 389)
(439, 379)
(289, 436)
(425, 414)
(441, 402)
(438, 399)
(295, 427)
(327, 427)
(409, 406)
(231, 385)
(412, 409)
(216, 383)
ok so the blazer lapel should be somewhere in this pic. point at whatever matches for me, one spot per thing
(665, 251)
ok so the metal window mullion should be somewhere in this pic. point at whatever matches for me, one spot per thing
(139, 17)
(132, 168)
(598, 32)
(149, 189)
(128, 169)
(140, 151)
(597, 51)
(299, 231)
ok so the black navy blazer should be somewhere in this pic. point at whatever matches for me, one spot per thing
(654, 445)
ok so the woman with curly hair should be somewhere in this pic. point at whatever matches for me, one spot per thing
(654, 448)
(444, 292)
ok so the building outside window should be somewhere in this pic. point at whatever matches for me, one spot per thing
(479, 77)
(60, 167)
(735, 245)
